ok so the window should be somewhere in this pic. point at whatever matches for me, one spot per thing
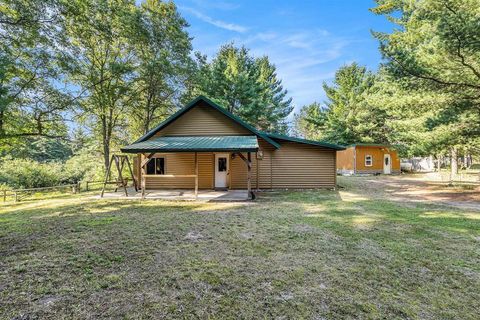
(156, 166)
(368, 161)
(222, 164)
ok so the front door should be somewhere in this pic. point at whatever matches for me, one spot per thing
(387, 164)
(221, 170)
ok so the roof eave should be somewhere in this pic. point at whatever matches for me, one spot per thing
(305, 141)
(189, 150)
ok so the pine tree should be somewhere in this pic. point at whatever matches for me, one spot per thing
(246, 86)
(347, 116)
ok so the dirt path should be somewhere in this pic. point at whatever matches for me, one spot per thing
(414, 189)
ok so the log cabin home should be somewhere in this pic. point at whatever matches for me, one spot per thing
(363, 158)
(203, 146)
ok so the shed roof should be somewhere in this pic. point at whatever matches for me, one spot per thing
(195, 143)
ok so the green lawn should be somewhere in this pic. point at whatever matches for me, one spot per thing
(314, 255)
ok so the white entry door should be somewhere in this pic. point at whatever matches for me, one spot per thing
(387, 164)
(221, 170)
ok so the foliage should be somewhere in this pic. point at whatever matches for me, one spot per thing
(162, 63)
(99, 39)
(39, 149)
(433, 66)
(348, 116)
(25, 173)
(31, 173)
(32, 99)
(246, 86)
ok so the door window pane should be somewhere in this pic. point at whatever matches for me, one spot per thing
(222, 164)
(387, 161)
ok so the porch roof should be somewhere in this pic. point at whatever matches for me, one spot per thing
(195, 143)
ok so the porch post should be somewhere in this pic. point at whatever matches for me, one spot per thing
(257, 165)
(196, 176)
(249, 174)
(142, 175)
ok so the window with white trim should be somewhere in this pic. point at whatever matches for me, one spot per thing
(156, 166)
(368, 160)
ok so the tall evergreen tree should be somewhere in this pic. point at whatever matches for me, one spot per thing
(434, 53)
(246, 86)
(347, 116)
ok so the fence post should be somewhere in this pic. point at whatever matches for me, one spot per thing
(15, 194)
(87, 186)
(4, 195)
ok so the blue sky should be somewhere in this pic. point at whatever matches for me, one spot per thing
(306, 40)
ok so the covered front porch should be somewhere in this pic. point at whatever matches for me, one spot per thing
(203, 164)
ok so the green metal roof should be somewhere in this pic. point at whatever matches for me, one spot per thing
(311, 142)
(190, 105)
(195, 143)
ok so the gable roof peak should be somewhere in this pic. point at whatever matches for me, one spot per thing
(217, 107)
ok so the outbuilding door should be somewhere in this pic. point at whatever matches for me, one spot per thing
(387, 164)
(221, 170)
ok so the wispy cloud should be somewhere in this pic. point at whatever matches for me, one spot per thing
(215, 22)
(304, 59)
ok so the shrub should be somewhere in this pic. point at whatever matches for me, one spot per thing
(26, 173)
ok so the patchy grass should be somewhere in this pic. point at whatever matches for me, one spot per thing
(315, 254)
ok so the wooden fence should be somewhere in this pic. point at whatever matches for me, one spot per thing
(21, 194)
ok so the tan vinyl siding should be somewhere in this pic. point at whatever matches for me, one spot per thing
(203, 120)
(294, 166)
(238, 169)
(183, 164)
(300, 166)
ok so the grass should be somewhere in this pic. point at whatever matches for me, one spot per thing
(315, 254)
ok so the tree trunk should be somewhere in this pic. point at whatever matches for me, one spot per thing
(453, 163)
(106, 152)
(439, 163)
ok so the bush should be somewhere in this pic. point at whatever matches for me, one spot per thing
(28, 173)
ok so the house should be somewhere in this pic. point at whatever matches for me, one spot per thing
(203, 146)
(368, 159)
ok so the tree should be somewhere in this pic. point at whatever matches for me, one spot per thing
(435, 53)
(32, 100)
(162, 48)
(347, 116)
(246, 86)
(311, 122)
(103, 67)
